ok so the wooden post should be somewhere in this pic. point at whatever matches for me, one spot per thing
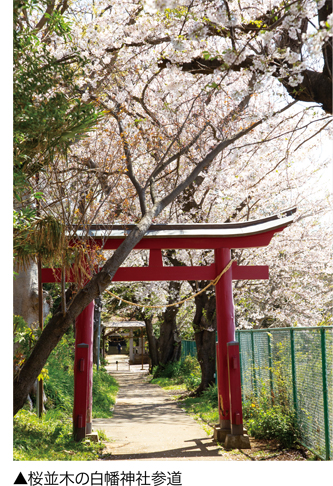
(131, 354)
(236, 439)
(80, 391)
(225, 332)
(235, 392)
(83, 371)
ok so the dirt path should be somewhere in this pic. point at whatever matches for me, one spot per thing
(148, 424)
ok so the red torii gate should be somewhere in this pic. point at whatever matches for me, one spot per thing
(219, 237)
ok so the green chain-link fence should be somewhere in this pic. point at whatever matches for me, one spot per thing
(189, 348)
(296, 365)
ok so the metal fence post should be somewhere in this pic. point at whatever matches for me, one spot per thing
(293, 369)
(325, 394)
(253, 366)
(270, 364)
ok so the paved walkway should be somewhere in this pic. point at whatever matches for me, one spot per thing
(148, 424)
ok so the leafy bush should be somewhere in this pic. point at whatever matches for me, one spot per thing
(211, 395)
(59, 388)
(179, 370)
(51, 437)
(272, 423)
(267, 420)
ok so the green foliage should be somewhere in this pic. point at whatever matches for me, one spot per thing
(59, 388)
(271, 423)
(210, 395)
(185, 372)
(49, 439)
(24, 340)
(48, 112)
(24, 336)
(268, 418)
(48, 116)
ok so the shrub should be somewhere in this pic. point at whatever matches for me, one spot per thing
(273, 423)
(178, 370)
(267, 420)
(210, 395)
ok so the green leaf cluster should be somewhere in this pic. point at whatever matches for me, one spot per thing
(49, 114)
(267, 417)
(48, 111)
(185, 372)
(24, 340)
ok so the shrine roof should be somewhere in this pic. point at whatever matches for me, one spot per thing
(124, 324)
(190, 230)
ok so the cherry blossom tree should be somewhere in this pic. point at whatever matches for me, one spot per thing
(166, 123)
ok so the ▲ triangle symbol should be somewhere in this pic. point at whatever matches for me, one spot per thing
(20, 479)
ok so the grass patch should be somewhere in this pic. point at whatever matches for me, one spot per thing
(50, 439)
(168, 385)
(204, 407)
(105, 389)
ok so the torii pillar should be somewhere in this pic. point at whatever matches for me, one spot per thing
(83, 373)
(230, 429)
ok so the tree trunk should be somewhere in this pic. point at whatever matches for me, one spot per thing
(169, 343)
(97, 312)
(25, 296)
(204, 325)
(166, 348)
(152, 342)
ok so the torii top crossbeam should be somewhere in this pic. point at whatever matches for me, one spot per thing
(248, 234)
(194, 236)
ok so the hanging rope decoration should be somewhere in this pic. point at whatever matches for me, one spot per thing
(213, 282)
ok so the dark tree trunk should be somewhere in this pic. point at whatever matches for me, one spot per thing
(204, 325)
(152, 342)
(167, 347)
(169, 343)
(97, 312)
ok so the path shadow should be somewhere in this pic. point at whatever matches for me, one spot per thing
(200, 449)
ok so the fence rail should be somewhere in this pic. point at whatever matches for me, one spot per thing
(296, 365)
